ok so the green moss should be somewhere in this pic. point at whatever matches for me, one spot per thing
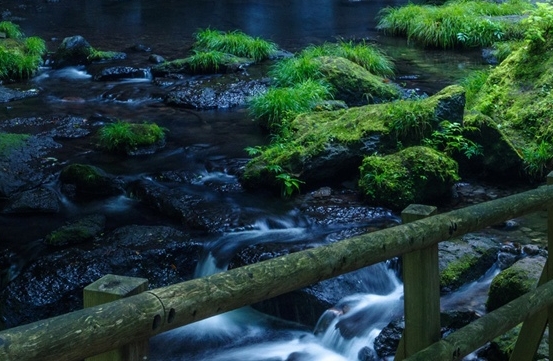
(80, 231)
(125, 137)
(84, 176)
(101, 55)
(413, 175)
(517, 96)
(508, 285)
(11, 141)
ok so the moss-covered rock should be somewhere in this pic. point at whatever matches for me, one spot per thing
(514, 281)
(88, 181)
(222, 63)
(76, 50)
(11, 141)
(414, 175)
(517, 96)
(328, 146)
(80, 231)
(354, 84)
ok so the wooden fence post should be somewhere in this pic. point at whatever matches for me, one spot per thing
(533, 327)
(421, 284)
(112, 288)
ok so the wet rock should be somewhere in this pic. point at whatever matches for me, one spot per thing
(74, 50)
(38, 200)
(9, 95)
(188, 208)
(385, 344)
(53, 284)
(80, 231)
(141, 48)
(228, 64)
(121, 72)
(27, 167)
(214, 93)
(466, 259)
(156, 59)
(57, 127)
(83, 181)
(367, 354)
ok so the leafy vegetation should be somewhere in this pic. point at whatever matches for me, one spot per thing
(450, 140)
(235, 43)
(458, 23)
(19, 57)
(206, 61)
(125, 137)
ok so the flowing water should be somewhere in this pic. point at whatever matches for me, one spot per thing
(200, 138)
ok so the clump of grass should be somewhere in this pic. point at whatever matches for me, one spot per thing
(124, 137)
(278, 105)
(302, 67)
(206, 61)
(458, 23)
(19, 57)
(236, 43)
(11, 30)
(472, 85)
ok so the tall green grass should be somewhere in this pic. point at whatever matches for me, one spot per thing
(457, 23)
(123, 137)
(20, 57)
(274, 108)
(235, 43)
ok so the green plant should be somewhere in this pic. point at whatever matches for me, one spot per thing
(289, 184)
(11, 30)
(35, 46)
(410, 120)
(449, 139)
(278, 105)
(539, 24)
(537, 159)
(458, 23)
(206, 61)
(20, 59)
(291, 71)
(235, 43)
(123, 136)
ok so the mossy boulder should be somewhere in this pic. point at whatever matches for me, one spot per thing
(465, 259)
(328, 146)
(80, 231)
(514, 281)
(414, 175)
(76, 50)
(517, 96)
(224, 63)
(83, 180)
(354, 84)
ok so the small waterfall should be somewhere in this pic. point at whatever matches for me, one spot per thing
(356, 320)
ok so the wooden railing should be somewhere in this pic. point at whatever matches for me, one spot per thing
(98, 329)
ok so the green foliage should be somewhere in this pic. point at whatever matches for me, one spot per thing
(278, 105)
(291, 71)
(123, 136)
(11, 141)
(288, 184)
(539, 24)
(450, 140)
(537, 159)
(455, 272)
(235, 43)
(11, 30)
(206, 61)
(458, 23)
(20, 58)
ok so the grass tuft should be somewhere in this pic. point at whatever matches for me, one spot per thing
(123, 136)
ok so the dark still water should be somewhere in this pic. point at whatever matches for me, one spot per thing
(201, 147)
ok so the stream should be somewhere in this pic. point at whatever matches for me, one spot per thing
(203, 146)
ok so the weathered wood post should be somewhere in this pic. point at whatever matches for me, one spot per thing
(112, 288)
(533, 327)
(421, 284)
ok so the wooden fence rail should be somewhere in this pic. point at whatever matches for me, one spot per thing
(97, 329)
